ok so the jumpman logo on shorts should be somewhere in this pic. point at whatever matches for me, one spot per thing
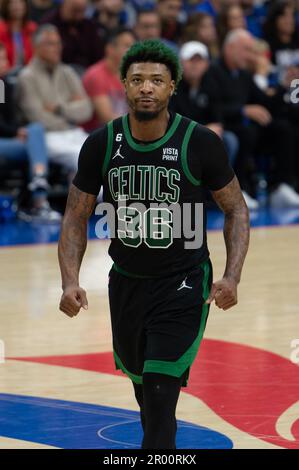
(117, 153)
(184, 285)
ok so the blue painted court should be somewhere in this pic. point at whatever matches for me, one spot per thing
(71, 425)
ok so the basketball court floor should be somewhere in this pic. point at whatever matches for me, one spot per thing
(58, 384)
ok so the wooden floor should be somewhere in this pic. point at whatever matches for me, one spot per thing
(266, 318)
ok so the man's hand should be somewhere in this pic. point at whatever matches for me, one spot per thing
(257, 113)
(76, 97)
(224, 293)
(262, 65)
(51, 108)
(72, 299)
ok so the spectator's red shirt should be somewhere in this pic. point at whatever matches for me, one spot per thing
(98, 81)
(7, 39)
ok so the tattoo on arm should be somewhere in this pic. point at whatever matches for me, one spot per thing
(236, 227)
(73, 237)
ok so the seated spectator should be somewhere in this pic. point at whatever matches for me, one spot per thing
(108, 15)
(230, 17)
(82, 45)
(255, 15)
(39, 8)
(191, 102)
(201, 27)
(281, 33)
(19, 143)
(51, 92)
(16, 32)
(211, 7)
(111, 14)
(170, 14)
(148, 25)
(251, 115)
(262, 68)
(102, 81)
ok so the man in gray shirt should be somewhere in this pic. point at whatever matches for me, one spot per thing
(51, 93)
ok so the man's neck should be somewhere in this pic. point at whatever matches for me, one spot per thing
(15, 25)
(229, 63)
(111, 66)
(65, 14)
(149, 130)
(194, 84)
(46, 65)
(285, 38)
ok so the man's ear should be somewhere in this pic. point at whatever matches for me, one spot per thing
(173, 87)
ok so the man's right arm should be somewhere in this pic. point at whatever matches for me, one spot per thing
(80, 204)
(71, 249)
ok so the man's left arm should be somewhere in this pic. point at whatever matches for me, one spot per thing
(79, 108)
(209, 163)
(236, 236)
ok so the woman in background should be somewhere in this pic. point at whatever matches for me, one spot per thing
(201, 27)
(282, 35)
(16, 30)
(230, 17)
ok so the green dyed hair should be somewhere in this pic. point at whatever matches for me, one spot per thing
(152, 50)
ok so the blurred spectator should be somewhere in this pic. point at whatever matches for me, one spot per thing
(250, 114)
(19, 143)
(190, 101)
(170, 14)
(51, 93)
(282, 35)
(148, 25)
(230, 17)
(255, 15)
(262, 68)
(102, 81)
(113, 13)
(82, 45)
(108, 14)
(16, 31)
(201, 27)
(211, 7)
(39, 8)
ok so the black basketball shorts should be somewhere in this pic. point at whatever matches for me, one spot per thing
(158, 324)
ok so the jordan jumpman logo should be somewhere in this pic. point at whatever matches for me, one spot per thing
(117, 153)
(184, 285)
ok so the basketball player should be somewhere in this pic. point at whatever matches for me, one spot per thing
(160, 290)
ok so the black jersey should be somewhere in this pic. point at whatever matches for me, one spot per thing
(157, 192)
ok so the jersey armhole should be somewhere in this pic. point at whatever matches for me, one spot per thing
(108, 148)
(184, 150)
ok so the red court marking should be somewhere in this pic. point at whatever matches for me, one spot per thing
(248, 387)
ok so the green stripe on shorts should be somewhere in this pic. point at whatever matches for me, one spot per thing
(178, 367)
(119, 365)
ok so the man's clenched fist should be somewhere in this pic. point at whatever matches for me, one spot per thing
(72, 299)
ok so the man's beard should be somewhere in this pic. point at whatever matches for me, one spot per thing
(145, 115)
